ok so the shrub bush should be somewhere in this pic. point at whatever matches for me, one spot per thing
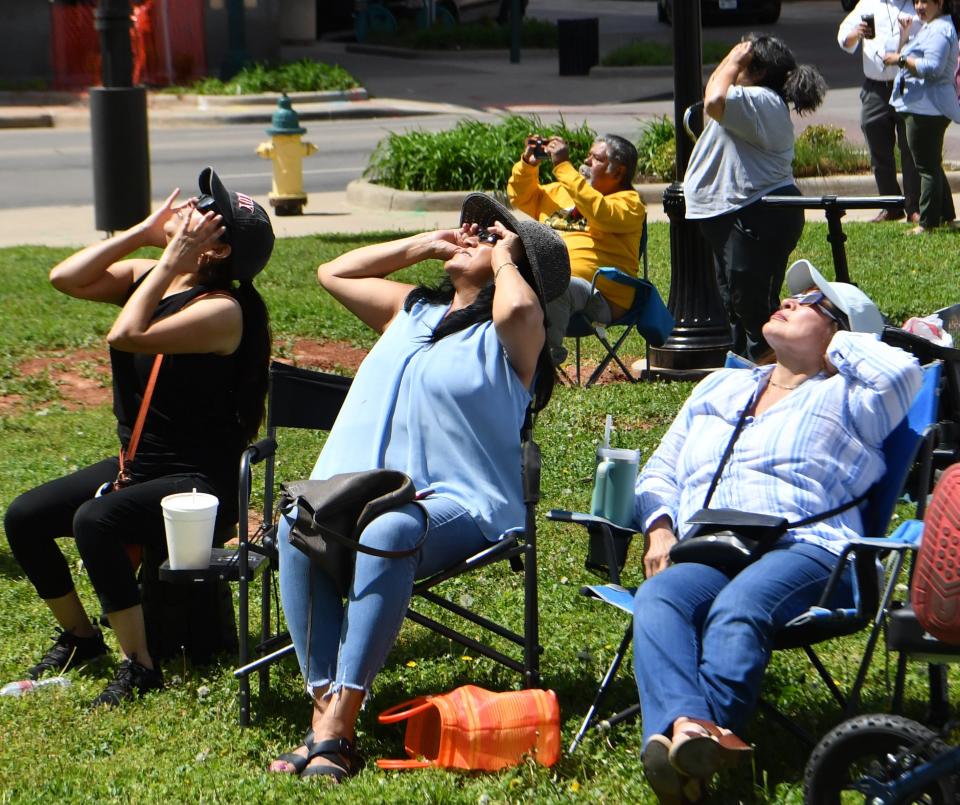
(305, 75)
(657, 151)
(471, 156)
(485, 34)
(823, 150)
(642, 53)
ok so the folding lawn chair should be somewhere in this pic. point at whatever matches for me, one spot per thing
(647, 314)
(910, 444)
(301, 398)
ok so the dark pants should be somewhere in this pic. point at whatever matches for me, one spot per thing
(101, 527)
(883, 130)
(750, 250)
(925, 138)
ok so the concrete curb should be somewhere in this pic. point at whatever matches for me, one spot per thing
(26, 121)
(362, 193)
(270, 98)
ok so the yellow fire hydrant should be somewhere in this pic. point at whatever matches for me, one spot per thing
(287, 152)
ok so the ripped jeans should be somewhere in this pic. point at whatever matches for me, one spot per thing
(350, 640)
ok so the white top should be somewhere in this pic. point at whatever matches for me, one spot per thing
(743, 157)
(885, 13)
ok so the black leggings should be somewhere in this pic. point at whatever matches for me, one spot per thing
(101, 527)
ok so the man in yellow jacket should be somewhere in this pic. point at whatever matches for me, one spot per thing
(597, 213)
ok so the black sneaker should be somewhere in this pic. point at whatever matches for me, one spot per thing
(67, 651)
(132, 680)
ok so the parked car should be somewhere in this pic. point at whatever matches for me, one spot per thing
(446, 10)
(722, 12)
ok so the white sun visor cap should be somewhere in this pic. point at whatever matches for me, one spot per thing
(861, 312)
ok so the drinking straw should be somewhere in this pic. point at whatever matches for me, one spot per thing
(608, 426)
(194, 496)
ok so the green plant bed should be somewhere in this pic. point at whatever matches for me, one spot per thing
(305, 75)
(486, 34)
(471, 156)
(183, 745)
(645, 53)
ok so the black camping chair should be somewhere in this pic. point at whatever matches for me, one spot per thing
(647, 314)
(911, 443)
(305, 399)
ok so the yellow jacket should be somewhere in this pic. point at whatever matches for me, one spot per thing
(598, 230)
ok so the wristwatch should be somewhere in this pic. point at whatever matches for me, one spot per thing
(902, 62)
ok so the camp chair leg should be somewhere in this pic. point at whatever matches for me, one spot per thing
(243, 651)
(265, 629)
(897, 704)
(578, 360)
(939, 712)
(825, 676)
(531, 618)
(853, 700)
(602, 690)
(612, 355)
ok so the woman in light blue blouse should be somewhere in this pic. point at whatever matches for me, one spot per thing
(925, 95)
(813, 426)
(441, 397)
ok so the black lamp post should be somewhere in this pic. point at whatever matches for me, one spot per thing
(701, 337)
(237, 56)
(118, 126)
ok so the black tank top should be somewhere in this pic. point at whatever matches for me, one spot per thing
(192, 424)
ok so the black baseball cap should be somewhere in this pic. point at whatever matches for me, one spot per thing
(249, 230)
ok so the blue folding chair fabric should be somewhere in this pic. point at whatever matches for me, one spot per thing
(647, 314)
(909, 444)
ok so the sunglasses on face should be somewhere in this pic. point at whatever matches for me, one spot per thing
(207, 204)
(487, 236)
(816, 299)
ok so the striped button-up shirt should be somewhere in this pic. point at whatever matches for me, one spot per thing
(817, 448)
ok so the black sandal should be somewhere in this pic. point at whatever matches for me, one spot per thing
(299, 762)
(334, 751)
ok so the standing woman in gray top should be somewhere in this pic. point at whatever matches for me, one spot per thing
(925, 96)
(745, 153)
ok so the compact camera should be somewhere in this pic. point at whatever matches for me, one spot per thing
(538, 147)
(871, 27)
(487, 236)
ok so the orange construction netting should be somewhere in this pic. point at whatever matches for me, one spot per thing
(167, 43)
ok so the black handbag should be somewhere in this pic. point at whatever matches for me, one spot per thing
(729, 539)
(332, 513)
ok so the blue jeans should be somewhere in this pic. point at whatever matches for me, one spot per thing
(350, 640)
(701, 640)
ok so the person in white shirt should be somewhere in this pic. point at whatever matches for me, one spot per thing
(881, 128)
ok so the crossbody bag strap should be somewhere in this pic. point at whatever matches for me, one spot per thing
(727, 452)
(813, 518)
(131, 451)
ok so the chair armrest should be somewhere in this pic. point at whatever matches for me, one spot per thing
(258, 451)
(590, 521)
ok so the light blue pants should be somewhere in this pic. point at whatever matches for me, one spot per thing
(349, 641)
(701, 640)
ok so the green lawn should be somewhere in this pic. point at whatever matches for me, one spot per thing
(184, 745)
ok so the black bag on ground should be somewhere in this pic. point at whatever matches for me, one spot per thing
(728, 539)
(332, 513)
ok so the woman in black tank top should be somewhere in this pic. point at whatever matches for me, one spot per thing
(197, 307)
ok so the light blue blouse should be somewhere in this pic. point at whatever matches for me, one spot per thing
(933, 91)
(447, 414)
(815, 449)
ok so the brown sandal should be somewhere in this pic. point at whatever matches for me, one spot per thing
(700, 748)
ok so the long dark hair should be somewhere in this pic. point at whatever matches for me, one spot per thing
(773, 65)
(480, 310)
(253, 354)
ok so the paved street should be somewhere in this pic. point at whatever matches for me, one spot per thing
(47, 173)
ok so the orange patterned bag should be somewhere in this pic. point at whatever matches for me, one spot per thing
(473, 728)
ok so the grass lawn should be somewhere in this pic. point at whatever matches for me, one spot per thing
(184, 745)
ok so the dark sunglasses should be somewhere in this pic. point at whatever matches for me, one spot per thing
(817, 299)
(207, 204)
(488, 236)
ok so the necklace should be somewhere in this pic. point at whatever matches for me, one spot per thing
(785, 387)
